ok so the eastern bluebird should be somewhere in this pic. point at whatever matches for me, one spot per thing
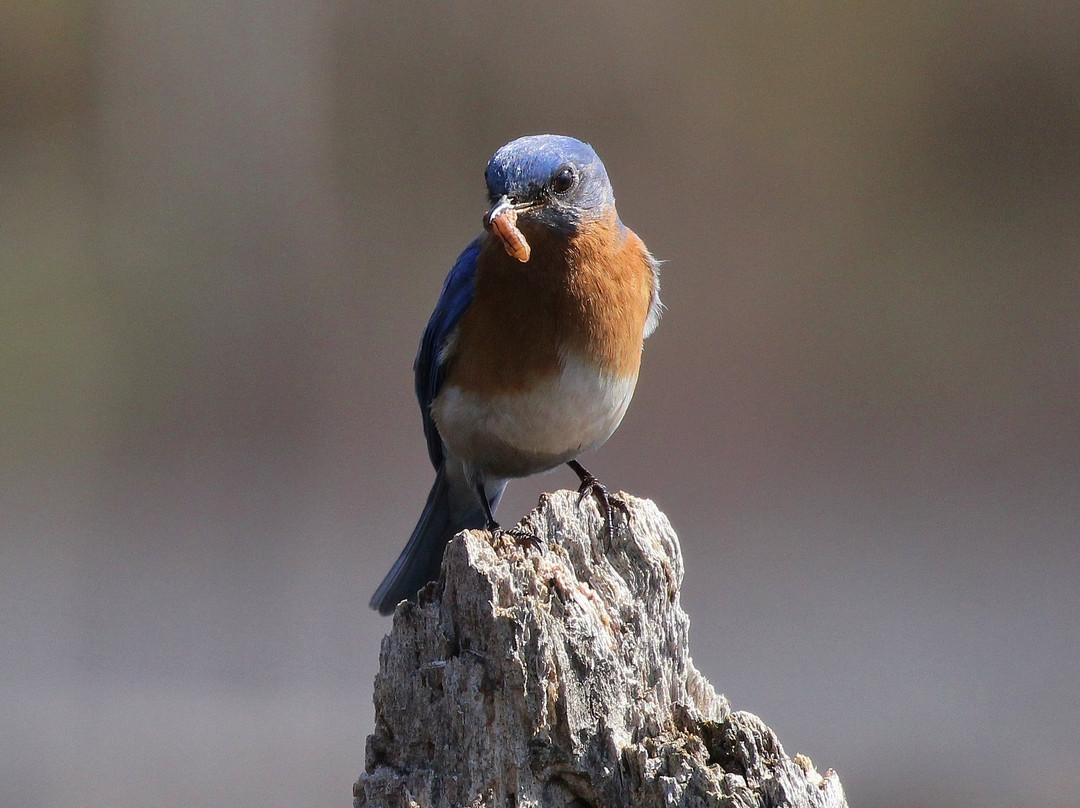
(532, 353)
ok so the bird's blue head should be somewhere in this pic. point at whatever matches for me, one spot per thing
(553, 180)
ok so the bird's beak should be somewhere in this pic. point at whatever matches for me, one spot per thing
(502, 221)
(500, 208)
(505, 204)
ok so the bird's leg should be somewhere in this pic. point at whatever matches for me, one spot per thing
(517, 533)
(591, 485)
(490, 524)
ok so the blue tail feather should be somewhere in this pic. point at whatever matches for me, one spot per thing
(419, 562)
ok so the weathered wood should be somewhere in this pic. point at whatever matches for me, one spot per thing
(561, 676)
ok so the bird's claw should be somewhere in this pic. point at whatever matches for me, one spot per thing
(522, 535)
(605, 501)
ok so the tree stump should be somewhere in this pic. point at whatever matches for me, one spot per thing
(560, 675)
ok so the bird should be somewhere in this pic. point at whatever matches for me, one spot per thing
(532, 353)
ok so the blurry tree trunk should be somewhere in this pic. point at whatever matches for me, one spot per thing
(561, 676)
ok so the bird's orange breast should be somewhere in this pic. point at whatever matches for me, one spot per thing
(587, 297)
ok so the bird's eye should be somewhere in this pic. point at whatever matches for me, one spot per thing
(563, 180)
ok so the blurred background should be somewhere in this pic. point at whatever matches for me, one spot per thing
(223, 226)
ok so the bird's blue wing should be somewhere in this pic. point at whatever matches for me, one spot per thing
(429, 367)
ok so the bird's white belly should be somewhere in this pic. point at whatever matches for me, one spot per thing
(522, 433)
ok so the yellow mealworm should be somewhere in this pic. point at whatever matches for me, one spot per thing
(505, 227)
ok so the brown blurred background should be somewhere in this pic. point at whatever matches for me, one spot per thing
(223, 226)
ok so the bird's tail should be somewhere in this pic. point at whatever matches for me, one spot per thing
(419, 562)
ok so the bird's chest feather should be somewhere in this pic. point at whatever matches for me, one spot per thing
(522, 432)
(543, 364)
(588, 297)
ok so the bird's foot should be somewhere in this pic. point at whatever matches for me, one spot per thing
(522, 535)
(518, 533)
(605, 501)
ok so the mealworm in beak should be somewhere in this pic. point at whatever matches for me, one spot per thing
(513, 241)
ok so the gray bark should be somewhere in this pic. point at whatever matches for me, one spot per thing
(560, 676)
